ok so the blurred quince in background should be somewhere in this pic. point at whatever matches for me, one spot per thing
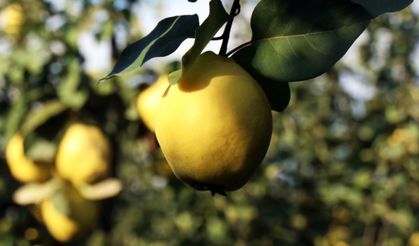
(67, 193)
(12, 18)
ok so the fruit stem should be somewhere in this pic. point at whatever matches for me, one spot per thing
(235, 10)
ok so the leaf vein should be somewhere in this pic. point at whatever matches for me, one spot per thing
(314, 47)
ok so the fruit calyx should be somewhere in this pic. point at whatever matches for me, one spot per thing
(214, 189)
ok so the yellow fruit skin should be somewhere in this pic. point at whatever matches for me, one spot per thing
(83, 154)
(215, 125)
(148, 101)
(12, 18)
(63, 227)
(22, 168)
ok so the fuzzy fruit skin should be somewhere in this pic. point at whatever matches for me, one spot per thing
(24, 169)
(82, 216)
(148, 101)
(215, 125)
(83, 154)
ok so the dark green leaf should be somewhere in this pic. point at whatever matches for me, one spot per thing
(379, 7)
(215, 20)
(162, 41)
(278, 94)
(292, 43)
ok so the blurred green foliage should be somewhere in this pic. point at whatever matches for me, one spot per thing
(342, 169)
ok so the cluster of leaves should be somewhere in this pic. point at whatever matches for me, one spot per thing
(288, 44)
(332, 175)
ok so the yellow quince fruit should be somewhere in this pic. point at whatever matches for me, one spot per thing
(83, 154)
(214, 125)
(12, 19)
(148, 101)
(74, 218)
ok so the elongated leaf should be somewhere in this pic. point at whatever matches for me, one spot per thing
(215, 20)
(379, 7)
(34, 193)
(301, 39)
(162, 41)
(41, 114)
(103, 190)
(15, 116)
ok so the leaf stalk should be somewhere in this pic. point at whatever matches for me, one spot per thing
(235, 10)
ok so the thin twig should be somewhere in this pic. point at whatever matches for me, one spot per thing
(217, 38)
(238, 48)
(235, 9)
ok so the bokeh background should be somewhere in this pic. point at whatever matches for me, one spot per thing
(342, 168)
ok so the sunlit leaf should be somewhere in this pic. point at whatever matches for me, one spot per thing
(215, 20)
(298, 40)
(34, 193)
(162, 41)
(102, 190)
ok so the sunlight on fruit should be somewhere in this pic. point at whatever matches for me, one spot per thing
(148, 101)
(414, 239)
(215, 125)
(93, 92)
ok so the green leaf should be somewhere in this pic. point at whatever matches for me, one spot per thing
(69, 90)
(175, 76)
(41, 114)
(215, 20)
(162, 41)
(379, 7)
(298, 40)
(41, 130)
(278, 94)
(15, 116)
(61, 201)
(41, 150)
